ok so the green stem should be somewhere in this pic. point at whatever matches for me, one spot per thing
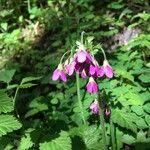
(102, 122)
(103, 53)
(82, 34)
(14, 101)
(29, 6)
(112, 132)
(79, 98)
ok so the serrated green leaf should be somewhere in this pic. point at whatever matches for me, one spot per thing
(26, 85)
(123, 119)
(145, 78)
(128, 139)
(137, 109)
(6, 75)
(146, 107)
(63, 142)
(6, 104)
(37, 105)
(141, 123)
(8, 123)
(147, 119)
(29, 79)
(25, 142)
(12, 86)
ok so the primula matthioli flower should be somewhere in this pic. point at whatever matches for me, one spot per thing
(59, 74)
(95, 71)
(70, 68)
(94, 107)
(107, 112)
(83, 56)
(83, 74)
(92, 86)
(106, 69)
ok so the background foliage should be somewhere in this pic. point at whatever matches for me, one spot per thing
(37, 113)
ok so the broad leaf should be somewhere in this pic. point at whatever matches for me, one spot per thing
(63, 142)
(147, 107)
(25, 142)
(8, 123)
(124, 119)
(6, 104)
(6, 75)
(29, 79)
(145, 78)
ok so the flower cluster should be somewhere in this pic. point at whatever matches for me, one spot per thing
(84, 64)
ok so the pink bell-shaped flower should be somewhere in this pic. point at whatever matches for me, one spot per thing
(94, 107)
(106, 69)
(83, 56)
(59, 74)
(70, 67)
(83, 74)
(92, 86)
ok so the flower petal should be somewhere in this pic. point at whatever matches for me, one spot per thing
(100, 72)
(83, 74)
(89, 87)
(108, 71)
(95, 87)
(63, 76)
(56, 75)
(92, 70)
(81, 56)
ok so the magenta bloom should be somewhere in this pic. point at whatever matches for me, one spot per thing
(83, 74)
(107, 112)
(83, 56)
(95, 71)
(70, 68)
(94, 107)
(106, 69)
(59, 74)
(92, 86)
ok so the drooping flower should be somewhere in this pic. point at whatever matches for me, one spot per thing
(92, 86)
(94, 107)
(95, 71)
(83, 74)
(70, 68)
(107, 112)
(83, 56)
(59, 74)
(106, 69)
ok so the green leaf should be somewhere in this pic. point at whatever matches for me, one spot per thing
(128, 139)
(6, 75)
(12, 86)
(4, 26)
(26, 85)
(91, 137)
(137, 109)
(37, 105)
(8, 123)
(63, 142)
(29, 79)
(124, 119)
(6, 104)
(146, 107)
(141, 123)
(145, 78)
(147, 119)
(25, 142)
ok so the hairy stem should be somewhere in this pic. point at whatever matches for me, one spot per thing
(14, 101)
(79, 98)
(103, 53)
(112, 133)
(102, 122)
